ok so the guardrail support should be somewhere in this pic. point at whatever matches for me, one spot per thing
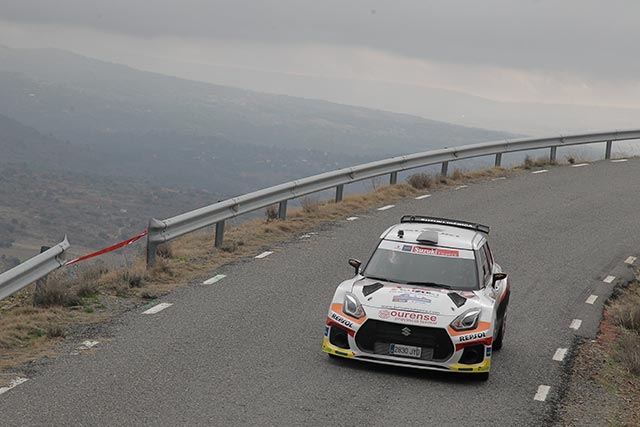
(445, 168)
(393, 178)
(498, 160)
(552, 156)
(607, 152)
(282, 210)
(219, 233)
(151, 252)
(339, 193)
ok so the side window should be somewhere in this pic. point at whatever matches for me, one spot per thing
(485, 268)
(486, 245)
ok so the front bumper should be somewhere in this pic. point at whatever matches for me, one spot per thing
(370, 342)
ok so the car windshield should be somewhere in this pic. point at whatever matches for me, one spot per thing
(423, 265)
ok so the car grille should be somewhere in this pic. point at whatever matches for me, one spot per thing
(374, 336)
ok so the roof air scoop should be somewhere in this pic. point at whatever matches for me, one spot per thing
(428, 236)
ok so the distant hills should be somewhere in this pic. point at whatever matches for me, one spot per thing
(535, 119)
(85, 141)
(130, 115)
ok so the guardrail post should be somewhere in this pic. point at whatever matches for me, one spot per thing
(445, 168)
(151, 249)
(607, 152)
(498, 160)
(393, 178)
(219, 233)
(40, 283)
(552, 156)
(282, 210)
(339, 193)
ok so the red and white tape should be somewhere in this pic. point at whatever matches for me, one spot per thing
(109, 249)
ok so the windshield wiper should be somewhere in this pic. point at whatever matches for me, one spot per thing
(383, 279)
(432, 284)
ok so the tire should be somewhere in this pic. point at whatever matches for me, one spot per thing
(497, 343)
(484, 376)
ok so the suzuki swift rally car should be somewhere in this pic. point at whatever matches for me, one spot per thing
(431, 297)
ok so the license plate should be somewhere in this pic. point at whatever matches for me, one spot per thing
(405, 350)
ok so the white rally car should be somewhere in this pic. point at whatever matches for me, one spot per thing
(431, 297)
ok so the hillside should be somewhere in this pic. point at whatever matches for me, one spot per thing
(536, 119)
(81, 99)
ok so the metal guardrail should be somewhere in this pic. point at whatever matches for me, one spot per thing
(161, 231)
(13, 280)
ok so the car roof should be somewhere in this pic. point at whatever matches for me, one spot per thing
(445, 235)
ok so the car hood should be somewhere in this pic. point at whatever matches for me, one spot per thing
(411, 298)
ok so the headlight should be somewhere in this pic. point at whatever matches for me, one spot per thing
(352, 306)
(467, 320)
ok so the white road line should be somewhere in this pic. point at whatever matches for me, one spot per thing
(86, 345)
(459, 187)
(157, 308)
(591, 299)
(352, 218)
(609, 279)
(543, 391)
(575, 324)
(578, 165)
(499, 178)
(424, 196)
(619, 160)
(14, 383)
(264, 254)
(540, 171)
(630, 260)
(560, 354)
(384, 208)
(214, 279)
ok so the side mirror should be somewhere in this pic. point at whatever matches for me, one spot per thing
(355, 264)
(497, 277)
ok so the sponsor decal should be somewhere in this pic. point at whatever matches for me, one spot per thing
(342, 320)
(476, 336)
(407, 248)
(407, 316)
(421, 250)
(488, 351)
(411, 298)
(326, 331)
(421, 291)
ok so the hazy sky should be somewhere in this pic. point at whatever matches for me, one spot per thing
(569, 51)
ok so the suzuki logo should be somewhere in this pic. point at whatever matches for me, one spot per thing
(406, 331)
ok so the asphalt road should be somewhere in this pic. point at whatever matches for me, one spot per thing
(246, 350)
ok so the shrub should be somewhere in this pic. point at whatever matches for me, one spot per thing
(134, 280)
(628, 316)
(420, 181)
(86, 289)
(629, 354)
(229, 246)
(271, 212)
(309, 204)
(164, 250)
(458, 175)
(55, 293)
(55, 331)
